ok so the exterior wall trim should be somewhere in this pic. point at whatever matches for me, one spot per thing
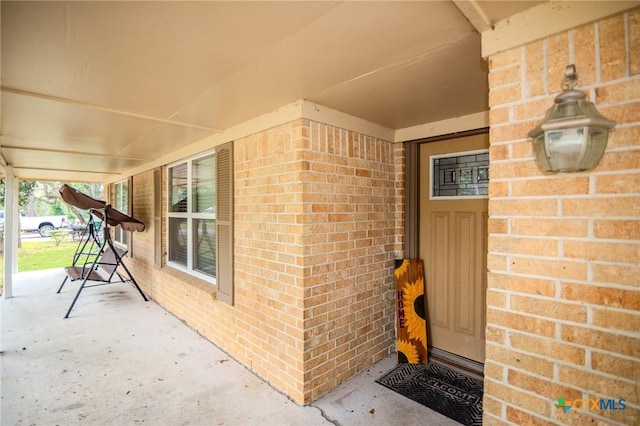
(303, 109)
(444, 127)
(545, 20)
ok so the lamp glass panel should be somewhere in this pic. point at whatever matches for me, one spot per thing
(596, 144)
(541, 153)
(564, 148)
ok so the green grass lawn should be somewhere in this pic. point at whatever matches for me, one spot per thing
(37, 255)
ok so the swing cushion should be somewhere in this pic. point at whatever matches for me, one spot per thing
(103, 271)
(80, 272)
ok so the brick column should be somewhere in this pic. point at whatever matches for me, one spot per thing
(563, 314)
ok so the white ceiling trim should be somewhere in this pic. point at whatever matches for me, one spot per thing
(545, 20)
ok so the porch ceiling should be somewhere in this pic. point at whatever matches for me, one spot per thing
(92, 89)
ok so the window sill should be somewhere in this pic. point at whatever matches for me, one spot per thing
(203, 285)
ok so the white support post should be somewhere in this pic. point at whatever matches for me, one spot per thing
(10, 232)
(16, 224)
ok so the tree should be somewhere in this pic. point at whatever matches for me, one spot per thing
(25, 189)
(48, 194)
(43, 198)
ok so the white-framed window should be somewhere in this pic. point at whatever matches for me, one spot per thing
(191, 216)
(122, 203)
(199, 219)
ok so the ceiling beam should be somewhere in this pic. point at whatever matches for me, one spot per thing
(472, 10)
(107, 109)
(81, 153)
(49, 169)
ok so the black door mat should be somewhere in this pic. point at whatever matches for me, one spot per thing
(448, 392)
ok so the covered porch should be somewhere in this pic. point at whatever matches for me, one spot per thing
(120, 360)
(318, 108)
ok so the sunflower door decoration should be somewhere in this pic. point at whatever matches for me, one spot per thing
(410, 312)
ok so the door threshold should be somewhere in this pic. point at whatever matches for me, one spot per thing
(461, 364)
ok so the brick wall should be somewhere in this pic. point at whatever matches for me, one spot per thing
(349, 220)
(142, 246)
(563, 315)
(318, 222)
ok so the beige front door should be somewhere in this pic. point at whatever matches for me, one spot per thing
(453, 244)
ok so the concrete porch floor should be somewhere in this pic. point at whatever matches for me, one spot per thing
(121, 361)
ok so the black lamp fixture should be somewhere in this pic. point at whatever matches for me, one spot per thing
(573, 134)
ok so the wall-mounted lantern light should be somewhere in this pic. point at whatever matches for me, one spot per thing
(573, 134)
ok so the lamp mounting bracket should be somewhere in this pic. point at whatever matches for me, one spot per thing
(570, 80)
